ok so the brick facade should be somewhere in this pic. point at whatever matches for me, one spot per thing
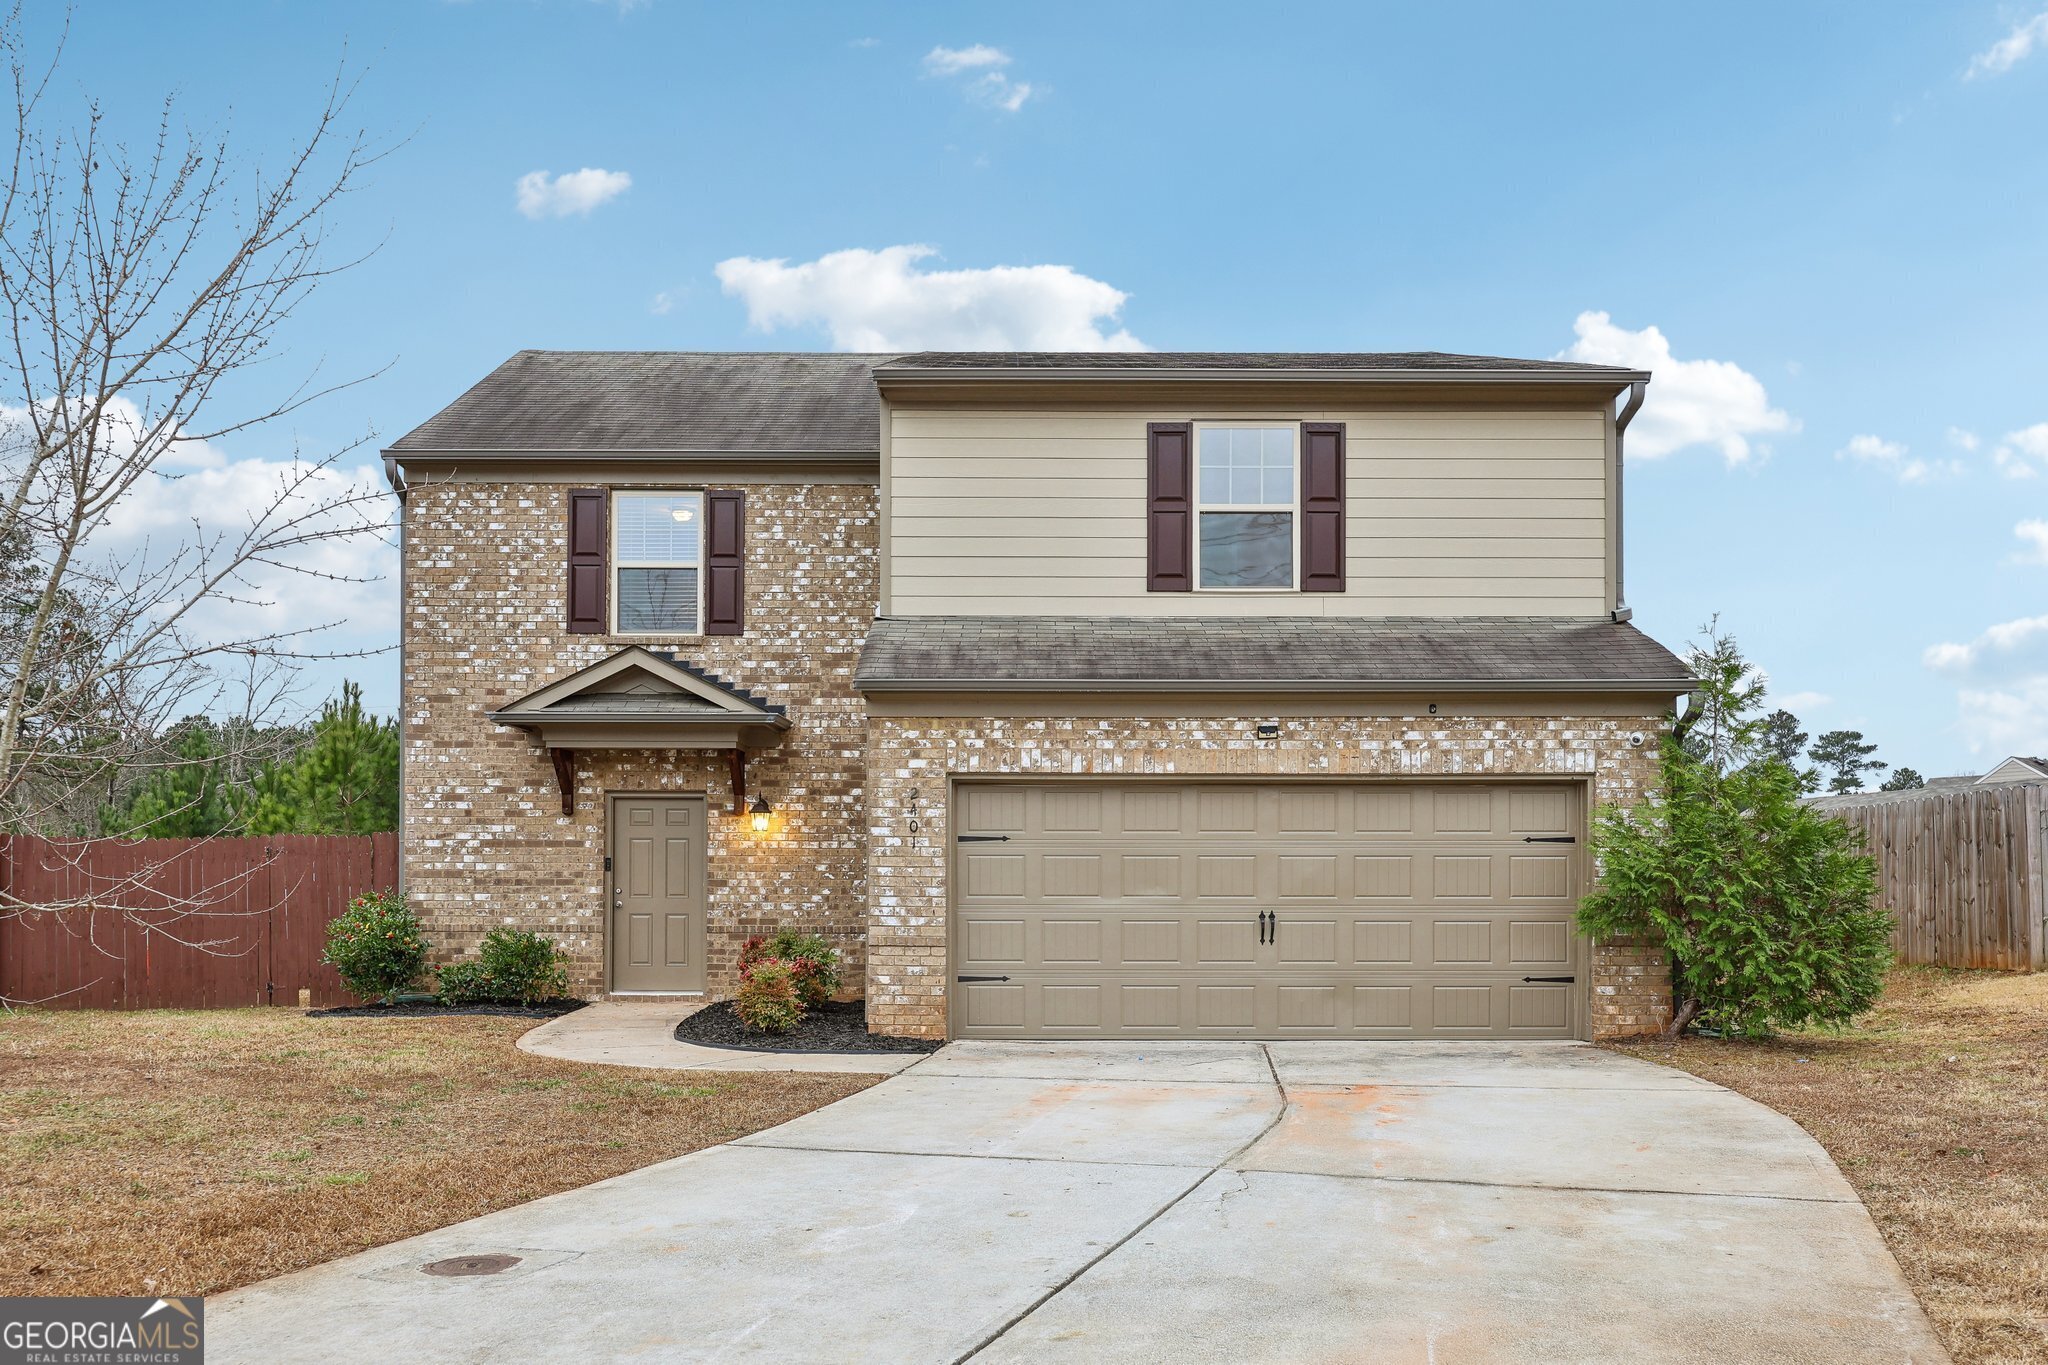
(485, 842)
(910, 761)
(484, 839)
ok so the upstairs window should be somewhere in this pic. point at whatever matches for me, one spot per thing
(1244, 507)
(657, 563)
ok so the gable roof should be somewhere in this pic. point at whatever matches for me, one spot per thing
(683, 402)
(2004, 770)
(645, 693)
(1210, 654)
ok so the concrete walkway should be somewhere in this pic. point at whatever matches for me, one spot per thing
(643, 1033)
(1194, 1201)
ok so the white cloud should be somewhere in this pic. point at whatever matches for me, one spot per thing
(951, 61)
(1893, 456)
(2005, 720)
(2033, 534)
(2023, 453)
(2005, 644)
(864, 42)
(1691, 402)
(661, 304)
(200, 499)
(1804, 701)
(1963, 439)
(543, 196)
(988, 81)
(881, 301)
(2009, 51)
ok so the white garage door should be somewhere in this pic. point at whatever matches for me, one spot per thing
(1184, 910)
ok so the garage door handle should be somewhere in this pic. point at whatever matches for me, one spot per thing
(981, 978)
(983, 838)
(1560, 980)
(1549, 839)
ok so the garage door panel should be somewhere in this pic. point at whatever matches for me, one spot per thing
(1071, 941)
(1226, 942)
(1137, 909)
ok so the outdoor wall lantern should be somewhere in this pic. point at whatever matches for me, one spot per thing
(760, 811)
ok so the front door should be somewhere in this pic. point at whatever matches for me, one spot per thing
(657, 887)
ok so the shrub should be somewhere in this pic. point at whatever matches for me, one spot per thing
(1764, 904)
(768, 999)
(466, 983)
(511, 965)
(817, 980)
(376, 946)
(524, 966)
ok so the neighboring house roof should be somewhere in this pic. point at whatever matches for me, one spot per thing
(1406, 366)
(712, 402)
(2018, 768)
(1210, 654)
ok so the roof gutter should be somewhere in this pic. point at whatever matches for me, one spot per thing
(885, 374)
(1265, 687)
(1636, 390)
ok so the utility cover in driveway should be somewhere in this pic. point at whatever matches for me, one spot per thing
(1183, 909)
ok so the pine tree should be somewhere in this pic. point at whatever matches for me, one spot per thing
(1845, 752)
(1903, 780)
(346, 781)
(186, 799)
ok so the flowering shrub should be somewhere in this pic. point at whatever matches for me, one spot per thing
(768, 1000)
(376, 946)
(814, 962)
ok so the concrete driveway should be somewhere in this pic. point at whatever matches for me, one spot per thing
(1195, 1201)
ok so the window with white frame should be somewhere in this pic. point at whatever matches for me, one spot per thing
(1244, 506)
(657, 563)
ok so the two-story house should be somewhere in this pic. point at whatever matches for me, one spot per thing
(1157, 695)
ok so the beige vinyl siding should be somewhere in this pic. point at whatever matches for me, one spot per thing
(1448, 512)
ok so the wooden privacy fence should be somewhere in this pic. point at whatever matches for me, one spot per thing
(1960, 870)
(180, 923)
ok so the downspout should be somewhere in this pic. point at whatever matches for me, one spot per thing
(395, 476)
(1636, 391)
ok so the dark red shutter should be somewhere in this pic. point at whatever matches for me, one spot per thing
(587, 561)
(1322, 507)
(725, 563)
(1170, 506)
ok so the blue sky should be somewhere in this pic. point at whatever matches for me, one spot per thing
(1845, 206)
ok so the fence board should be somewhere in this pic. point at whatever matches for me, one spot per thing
(181, 923)
(1960, 870)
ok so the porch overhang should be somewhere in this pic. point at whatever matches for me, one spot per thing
(641, 698)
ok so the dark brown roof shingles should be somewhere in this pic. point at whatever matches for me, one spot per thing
(1204, 652)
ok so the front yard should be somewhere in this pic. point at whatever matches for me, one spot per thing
(1936, 1108)
(184, 1152)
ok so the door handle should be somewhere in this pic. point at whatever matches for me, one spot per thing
(1269, 925)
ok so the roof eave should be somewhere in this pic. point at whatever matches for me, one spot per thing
(885, 375)
(500, 454)
(1663, 687)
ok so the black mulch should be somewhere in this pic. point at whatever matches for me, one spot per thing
(427, 1009)
(834, 1027)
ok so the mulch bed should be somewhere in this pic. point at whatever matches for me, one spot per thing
(422, 1009)
(833, 1027)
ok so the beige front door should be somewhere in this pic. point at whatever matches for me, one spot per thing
(1178, 909)
(657, 888)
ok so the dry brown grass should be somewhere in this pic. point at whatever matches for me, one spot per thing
(190, 1152)
(1936, 1108)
